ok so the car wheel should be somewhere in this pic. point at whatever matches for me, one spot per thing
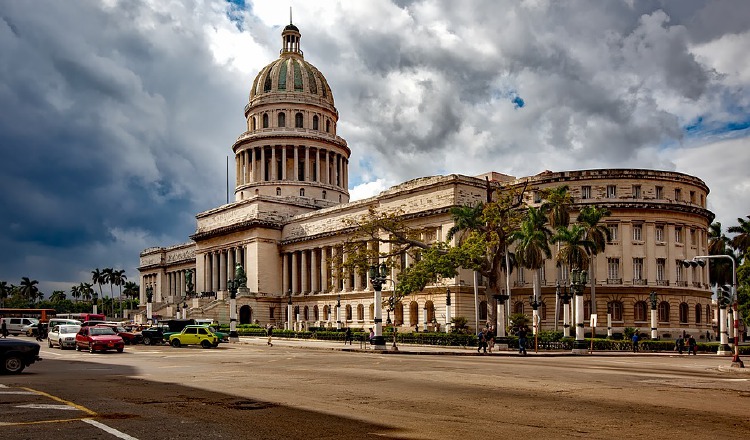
(216, 344)
(77, 347)
(119, 350)
(13, 364)
(59, 345)
(49, 343)
(206, 343)
(175, 343)
(147, 340)
(91, 348)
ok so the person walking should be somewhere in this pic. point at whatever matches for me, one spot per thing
(348, 336)
(490, 338)
(269, 333)
(680, 344)
(692, 345)
(635, 340)
(4, 329)
(481, 341)
(521, 333)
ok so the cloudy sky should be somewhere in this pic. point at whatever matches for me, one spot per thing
(117, 116)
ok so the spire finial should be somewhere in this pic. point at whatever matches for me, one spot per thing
(290, 15)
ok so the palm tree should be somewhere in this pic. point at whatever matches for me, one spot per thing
(717, 241)
(29, 289)
(533, 246)
(75, 292)
(465, 218)
(131, 290)
(719, 269)
(86, 289)
(99, 278)
(4, 292)
(117, 278)
(590, 218)
(575, 247)
(741, 241)
(557, 205)
(57, 296)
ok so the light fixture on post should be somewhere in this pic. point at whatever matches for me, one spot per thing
(233, 285)
(448, 310)
(378, 276)
(565, 295)
(653, 299)
(184, 310)
(736, 361)
(338, 312)
(535, 318)
(578, 284)
(289, 310)
(149, 305)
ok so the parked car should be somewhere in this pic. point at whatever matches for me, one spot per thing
(16, 326)
(127, 336)
(154, 335)
(63, 336)
(15, 355)
(194, 335)
(223, 337)
(62, 321)
(99, 338)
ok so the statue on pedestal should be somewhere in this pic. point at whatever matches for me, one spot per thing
(239, 276)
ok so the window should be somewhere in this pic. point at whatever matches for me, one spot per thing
(253, 123)
(677, 195)
(660, 266)
(265, 120)
(636, 191)
(683, 313)
(518, 307)
(659, 192)
(543, 311)
(413, 313)
(520, 278)
(585, 192)
(613, 268)
(637, 269)
(316, 313)
(615, 308)
(278, 191)
(298, 120)
(639, 311)
(701, 199)
(611, 191)
(663, 311)
(302, 192)
(660, 234)
(692, 237)
(564, 273)
(692, 197)
(360, 312)
(612, 232)
(678, 271)
(678, 234)
(698, 313)
(587, 310)
(328, 126)
(306, 313)
(430, 308)
(282, 119)
(483, 311)
(272, 312)
(315, 122)
(637, 232)
(709, 315)
(324, 194)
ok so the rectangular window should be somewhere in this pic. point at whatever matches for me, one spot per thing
(564, 272)
(677, 195)
(637, 268)
(271, 312)
(659, 192)
(692, 197)
(637, 232)
(678, 234)
(660, 234)
(636, 191)
(585, 192)
(660, 265)
(537, 197)
(613, 268)
(692, 237)
(520, 276)
(611, 191)
(612, 232)
(678, 271)
(701, 199)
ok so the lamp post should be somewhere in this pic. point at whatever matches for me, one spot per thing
(378, 276)
(565, 295)
(184, 310)
(233, 285)
(736, 361)
(653, 299)
(94, 300)
(289, 310)
(149, 305)
(447, 310)
(501, 318)
(338, 312)
(535, 320)
(577, 285)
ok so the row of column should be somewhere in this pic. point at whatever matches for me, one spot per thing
(220, 266)
(270, 163)
(176, 285)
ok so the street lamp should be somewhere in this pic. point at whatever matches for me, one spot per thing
(289, 310)
(447, 310)
(697, 260)
(233, 285)
(338, 312)
(149, 299)
(184, 310)
(94, 301)
(578, 283)
(565, 295)
(653, 299)
(535, 317)
(378, 276)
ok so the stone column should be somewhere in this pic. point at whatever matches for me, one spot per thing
(296, 163)
(262, 164)
(357, 280)
(314, 271)
(345, 273)
(304, 272)
(325, 278)
(274, 165)
(222, 271)
(295, 285)
(336, 276)
(182, 284)
(215, 271)
(317, 165)
(326, 168)
(306, 162)
(230, 263)
(237, 169)
(285, 273)
(283, 163)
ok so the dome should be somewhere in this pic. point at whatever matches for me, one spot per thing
(291, 73)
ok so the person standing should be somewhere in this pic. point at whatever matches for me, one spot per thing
(692, 345)
(490, 338)
(348, 336)
(4, 329)
(269, 332)
(521, 333)
(680, 344)
(635, 339)
(481, 341)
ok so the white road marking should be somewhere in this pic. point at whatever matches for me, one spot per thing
(106, 428)
(16, 392)
(47, 406)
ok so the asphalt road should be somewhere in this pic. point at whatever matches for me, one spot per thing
(253, 391)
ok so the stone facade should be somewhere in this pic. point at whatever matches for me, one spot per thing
(289, 220)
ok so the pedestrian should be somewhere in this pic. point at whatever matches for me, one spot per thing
(521, 333)
(635, 342)
(490, 338)
(680, 344)
(348, 336)
(371, 336)
(4, 329)
(269, 332)
(692, 345)
(708, 336)
(481, 341)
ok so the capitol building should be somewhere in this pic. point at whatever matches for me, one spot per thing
(290, 218)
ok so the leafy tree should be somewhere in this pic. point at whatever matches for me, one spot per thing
(29, 291)
(57, 296)
(557, 203)
(741, 241)
(575, 247)
(131, 290)
(4, 292)
(590, 217)
(532, 245)
(99, 278)
(719, 269)
(87, 290)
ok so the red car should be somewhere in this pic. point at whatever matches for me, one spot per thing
(99, 338)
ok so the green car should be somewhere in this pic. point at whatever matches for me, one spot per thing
(194, 335)
(223, 337)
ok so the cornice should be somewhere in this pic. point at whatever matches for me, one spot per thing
(237, 227)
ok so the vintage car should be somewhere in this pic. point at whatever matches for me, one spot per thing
(63, 336)
(154, 335)
(194, 335)
(128, 337)
(98, 338)
(15, 355)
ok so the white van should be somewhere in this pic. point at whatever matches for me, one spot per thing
(62, 321)
(15, 325)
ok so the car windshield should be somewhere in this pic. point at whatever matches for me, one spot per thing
(120, 329)
(70, 328)
(102, 331)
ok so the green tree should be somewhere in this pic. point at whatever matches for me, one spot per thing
(590, 218)
(741, 241)
(57, 296)
(557, 203)
(98, 277)
(29, 289)
(532, 245)
(75, 292)
(87, 290)
(4, 292)
(719, 269)
(575, 248)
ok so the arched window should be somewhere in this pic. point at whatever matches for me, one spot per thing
(709, 315)
(348, 312)
(698, 313)
(278, 191)
(372, 312)
(298, 120)
(265, 120)
(398, 314)
(306, 314)
(325, 313)
(615, 309)
(302, 192)
(483, 311)
(413, 313)
(683, 313)
(587, 310)
(253, 123)
(543, 311)
(324, 194)
(639, 311)
(316, 314)
(328, 126)
(360, 312)
(296, 311)
(315, 122)
(430, 311)
(518, 307)
(663, 311)
(282, 119)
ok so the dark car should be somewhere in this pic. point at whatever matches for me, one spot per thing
(15, 355)
(127, 336)
(154, 335)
